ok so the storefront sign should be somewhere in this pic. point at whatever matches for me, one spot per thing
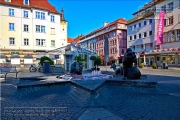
(160, 28)
(12, 53)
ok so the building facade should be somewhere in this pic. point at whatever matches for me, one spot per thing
(143, 30)
(117, 36)
(28, 29)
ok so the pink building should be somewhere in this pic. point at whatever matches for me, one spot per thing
(117, 36)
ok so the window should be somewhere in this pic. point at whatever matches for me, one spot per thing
(8, 0)
(38, 15)
(171, 20)
(11, 41)
(150, 21)
(11, 12)
(40, 42)
(134, 37)
(40, 28)
(26, 28)
(170, 6)
(11, 26)
(52, 43)
(139, 36)
(164, 22)
(53, 31)
(130, 38)
(139, 24)
(163, 8)
(52, 18)
(26, 2)
(165, 37)
(172, 33)
(168, 37)
(42, 15)
(144, 22)
(37, 28)
(178, 35)
(43, 29)
(150, 33)
(145, 34)
(135, 26)
(26, 41)
(130, 27)
(25, 14)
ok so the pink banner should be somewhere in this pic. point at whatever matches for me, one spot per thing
(160, 28)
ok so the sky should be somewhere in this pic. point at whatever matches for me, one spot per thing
(85, 16)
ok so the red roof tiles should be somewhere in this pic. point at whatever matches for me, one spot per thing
(76, 40)
(39, 4)
(69, 40)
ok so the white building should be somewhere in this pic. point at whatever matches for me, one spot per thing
(28, 29)
(142, 33)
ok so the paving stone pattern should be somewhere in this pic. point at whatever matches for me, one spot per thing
(111, 101)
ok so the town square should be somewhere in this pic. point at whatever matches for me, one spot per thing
(75, 60)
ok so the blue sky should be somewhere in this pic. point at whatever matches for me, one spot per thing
(84, 16)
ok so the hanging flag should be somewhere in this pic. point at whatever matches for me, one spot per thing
(160, 28)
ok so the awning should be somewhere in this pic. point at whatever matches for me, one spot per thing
(166, 50)
(120, 57)
(3, 56)
(28, 56)
(15, 56)
(39, 56)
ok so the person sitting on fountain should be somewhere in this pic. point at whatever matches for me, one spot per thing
(128, 60)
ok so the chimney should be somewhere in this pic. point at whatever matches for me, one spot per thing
(105, 24)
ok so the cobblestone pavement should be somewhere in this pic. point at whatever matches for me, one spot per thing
(116, 102)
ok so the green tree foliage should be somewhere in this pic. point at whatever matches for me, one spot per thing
(93, 58)
(42, 59)
(97, 61)
(79, 59)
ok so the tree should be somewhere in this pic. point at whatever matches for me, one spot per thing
(79, 59)
(97, 61)
(93, 58)
(42, 59)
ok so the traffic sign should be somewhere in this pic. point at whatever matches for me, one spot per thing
(56, 56)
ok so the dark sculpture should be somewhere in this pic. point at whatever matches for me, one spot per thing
(130, 72)
(118, 71)
(76, 68)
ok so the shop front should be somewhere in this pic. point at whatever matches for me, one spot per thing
(3, 58)
(28, 60)
(171, 56)
(15, 60)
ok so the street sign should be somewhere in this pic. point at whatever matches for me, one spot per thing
(56, 56)
(106, 59)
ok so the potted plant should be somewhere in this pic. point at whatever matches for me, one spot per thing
(93, 58)
(79, 60)
(141, 65)
(42, 59)
(97, 62)
(154, 66)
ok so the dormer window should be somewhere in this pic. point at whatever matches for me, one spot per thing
(26, 2)
(8, 0)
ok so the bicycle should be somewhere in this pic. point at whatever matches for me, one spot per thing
(34, 68)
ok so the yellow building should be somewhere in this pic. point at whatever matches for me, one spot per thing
(28, 29)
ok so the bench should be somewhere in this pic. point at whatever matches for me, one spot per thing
(8, 69)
